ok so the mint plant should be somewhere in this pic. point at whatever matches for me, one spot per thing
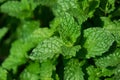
(59, 40)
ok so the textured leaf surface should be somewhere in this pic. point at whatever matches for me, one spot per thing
(96, 73)
(113, 27)
(3, 74)
(70, 6)
(116, 77)
(30, 4)
(93, 73)
(47, 49)
(37, 71)
(63, 6)
(69, 32)
(46, 70)
(31, 72)
(79, 15)
(89, 6)
(14, 8)
(3, 31)
(73, 71)
(112, 59)
(60, 39)
(97, 41)
(117, 73)
(69, 52)
(19, 49)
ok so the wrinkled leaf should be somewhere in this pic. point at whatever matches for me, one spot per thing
(97, 41)
(73, 71)
(69, 32)
(112, 59)
(47, 49)
(19, 49)
(31, 72)
(15, 8)
(69, 52)
(46, 70)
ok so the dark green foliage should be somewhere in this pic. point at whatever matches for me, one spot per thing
(59, 39)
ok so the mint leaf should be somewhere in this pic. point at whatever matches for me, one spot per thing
(47, 49)
(69, 52)
(73, 71)
(97, 42)
(109, 60)
(30, 4)
(69, 32)
(93, 73)
(117, 73)
(113, 27)
(79, 15)
(31, 72)
(96, 73)
(59, 39)
(15, 9)
(89, 6)
(46, 70)
(18, 52)
(63, 6)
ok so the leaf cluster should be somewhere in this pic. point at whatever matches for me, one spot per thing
(59, 39)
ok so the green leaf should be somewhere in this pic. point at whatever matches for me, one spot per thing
(69, 52)
(16, 9)
(73, 71)
(47, 49)
(112, 59)
(97, 41)
(18, 52)
(113, 27)
(31, 72)
(96, 73)
(78, 14)
(117, 73)
(46, 70)
(30, 4)
(16, 57)
(89, 6)
(72, 7)
(25, 4)
(69, 32)
(3, 32)
(26, 28)
(93, 73)
(62, 6)
(3, 74)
